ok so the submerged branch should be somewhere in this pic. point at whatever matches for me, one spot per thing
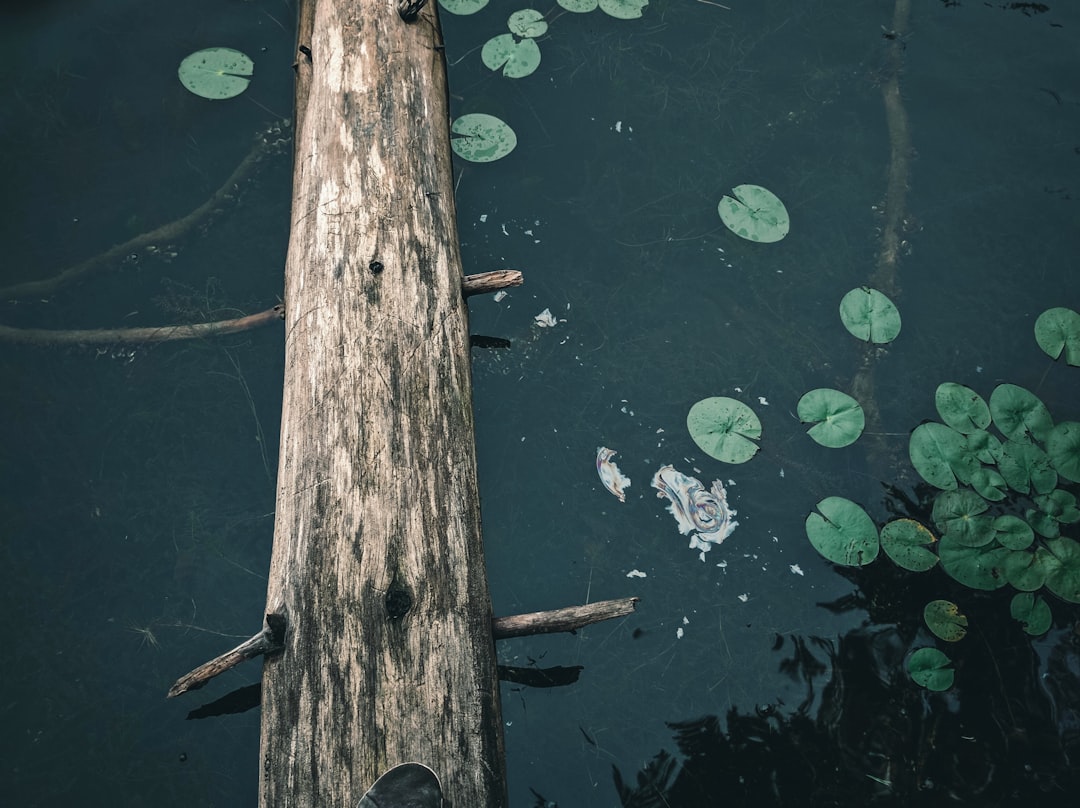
(165, 333)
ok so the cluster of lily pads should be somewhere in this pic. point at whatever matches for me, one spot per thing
(482, 138)
(1001, 506)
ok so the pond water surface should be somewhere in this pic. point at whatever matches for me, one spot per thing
(139, 482)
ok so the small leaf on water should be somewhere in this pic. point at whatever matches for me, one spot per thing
(905, 541)
(481, 138)
(754, 213)
(944, 618)
(843, 532)
(725, 429)
(528, 22)
(216, 73)
(1058, 330)
(961, 407)
(623, 9)
(463, 8)
(1063, 578)
(929, 668)
(1063, 449)
(1019, 414)
(1032, 612)
(837, 417)
(870, 315)
(516, 58)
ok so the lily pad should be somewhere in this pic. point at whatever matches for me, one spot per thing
(985, 447)
(1063, 578)
(528, 22)
(941, 455)
(944, 618)
(754, 213)
(516, 57)
(216, 73)
(905, 541)
(481, 138)
(843, 532)
(623, 9)
(961, 407)
(1013, 532)
(977, 567)
(463, 8)
(724, 428)
(1063, 449)
(1025, 467)
(1027, 570)
(1032, 612)
(1058, 330)
(990, 485)
(961, 516)
(1019, 414)
(579, 6)
(1059, 505)
(837, 417)
(929, 668)
(870, 315)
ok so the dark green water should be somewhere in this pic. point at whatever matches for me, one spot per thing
(136, 516)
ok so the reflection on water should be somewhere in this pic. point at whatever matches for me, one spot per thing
(136, 529)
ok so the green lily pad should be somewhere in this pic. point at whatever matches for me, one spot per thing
(961, 516)
(528, 22)
(1059, 505)
(1058, 330)
(941, 455)
(843, 532)
(1063, 449)
(1013, 532)
(1042, 524)
(1019, 414)
(985, 447)
(481, 138)
(216, 73)
(961, 407)
(944, 618)
(754, 213)
(905, 541)
(517, 58)
(977, 567)
(929, 668)
(870, 315)
(623, 9)
(1025, 467)
(724, 428)
(990, 485)
(837, 417)
(1027, 570)
(1032, 612)
(579, 6)
(1063, 578)
(463, 8)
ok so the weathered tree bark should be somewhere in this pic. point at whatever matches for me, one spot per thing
(378, 564)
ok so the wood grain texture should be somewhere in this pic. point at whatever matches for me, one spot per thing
(378, 561)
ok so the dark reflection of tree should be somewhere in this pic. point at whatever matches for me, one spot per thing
(1007, 732)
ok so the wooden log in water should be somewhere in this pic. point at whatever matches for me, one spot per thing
(378, 562)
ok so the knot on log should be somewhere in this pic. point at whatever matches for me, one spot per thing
(409, 10)
(398, 600)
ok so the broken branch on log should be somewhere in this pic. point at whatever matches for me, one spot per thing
(272, 637)
(109, 336)
(484, 282)
(270, 640)
(569, 619)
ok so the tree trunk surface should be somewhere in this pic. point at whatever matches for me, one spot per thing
(378, 562)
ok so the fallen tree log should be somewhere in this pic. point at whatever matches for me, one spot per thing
(377, 565)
